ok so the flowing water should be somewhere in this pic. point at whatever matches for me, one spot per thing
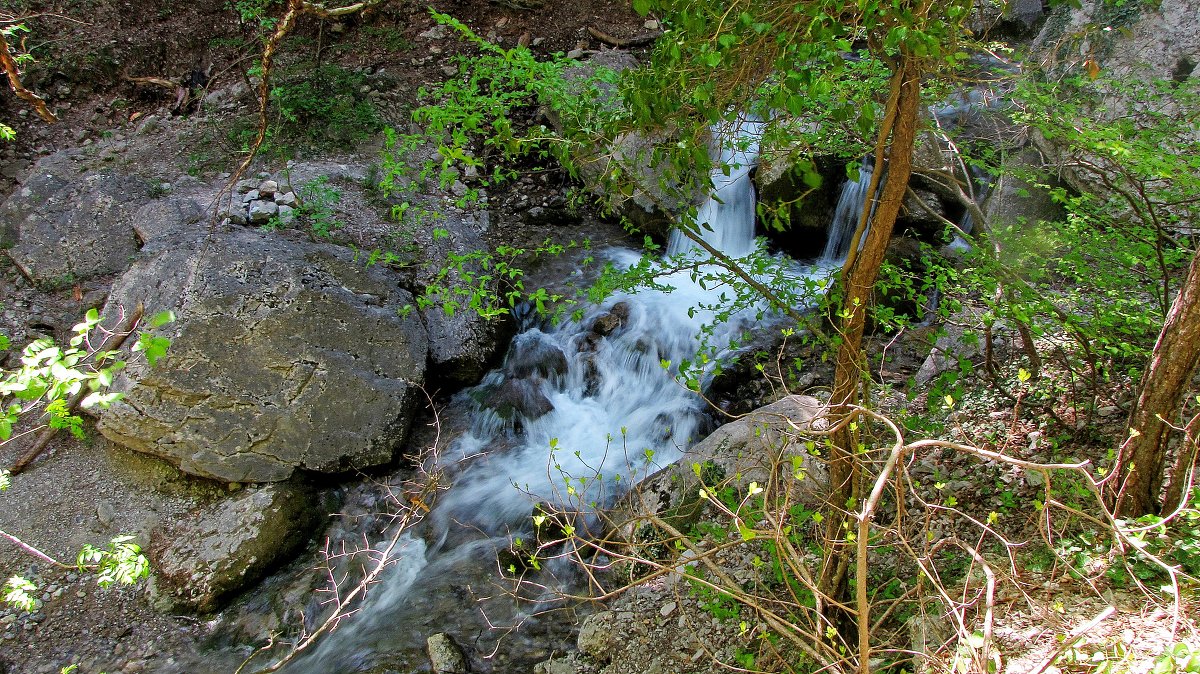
(589, 399)
(847, 215)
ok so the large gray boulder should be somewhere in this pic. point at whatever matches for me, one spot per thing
(462, 343)
(1015, 201)
(231, 544)
(736, 454)
(65, 224)
(1138, 41)
(285, 356)
(650, 205)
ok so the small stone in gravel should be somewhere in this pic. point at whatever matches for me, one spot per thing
(106, 513)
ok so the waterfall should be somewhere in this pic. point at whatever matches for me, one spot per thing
(576, 414)
(847, 215)
(726, 219)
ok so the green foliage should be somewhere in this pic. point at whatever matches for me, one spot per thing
(316, 206)
(21, 58)
(316, 201)
(1179, 658)
(119, 562)
(50, 376)
(323, 105)
(490, 283)
(255, 13)
(472, 124)
(18, 593)
(1175, 542)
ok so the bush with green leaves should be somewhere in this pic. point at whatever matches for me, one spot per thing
(472, 120)
(41, 394)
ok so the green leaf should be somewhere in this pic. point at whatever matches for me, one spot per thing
(162, 318)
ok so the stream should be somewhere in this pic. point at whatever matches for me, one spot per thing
(578, 412)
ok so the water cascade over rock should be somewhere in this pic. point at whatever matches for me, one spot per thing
(578, 413)
(847, 215)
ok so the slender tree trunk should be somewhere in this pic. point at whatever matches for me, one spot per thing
(858, 281)
(1142, 466)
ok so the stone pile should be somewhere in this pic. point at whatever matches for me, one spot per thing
(256, 202)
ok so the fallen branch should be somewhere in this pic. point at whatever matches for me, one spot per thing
(14, 83)
(622, 43)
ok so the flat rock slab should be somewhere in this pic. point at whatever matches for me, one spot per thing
(68, 225)
(284, 356)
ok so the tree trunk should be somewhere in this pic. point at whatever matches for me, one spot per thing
(858, 281)
(1142, 466)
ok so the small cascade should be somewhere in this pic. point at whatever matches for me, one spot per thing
(726, 220)
(847, 215)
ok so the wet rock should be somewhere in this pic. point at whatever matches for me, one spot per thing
(518, 397)
(531, 355)
(284, 356)
(461, 345)
(614, 319)
(736, 454)
(445, 656)
(230, 545)
(68, 226)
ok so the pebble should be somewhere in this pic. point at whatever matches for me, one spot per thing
(106, 513)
